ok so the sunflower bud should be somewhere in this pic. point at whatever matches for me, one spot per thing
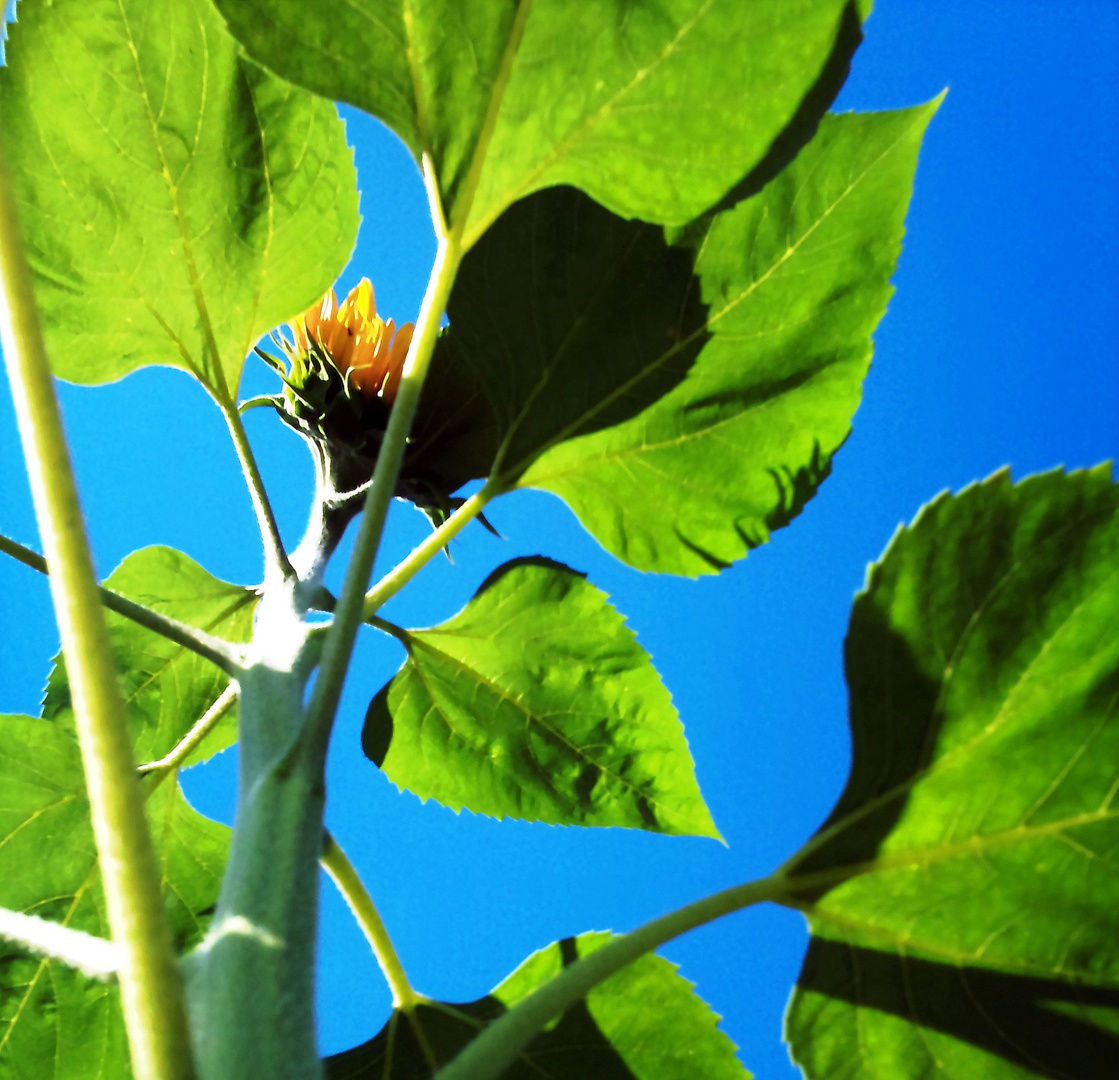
(344, 364)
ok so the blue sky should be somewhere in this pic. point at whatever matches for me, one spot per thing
(1000, 347)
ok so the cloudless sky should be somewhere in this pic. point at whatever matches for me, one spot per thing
(1000, 347)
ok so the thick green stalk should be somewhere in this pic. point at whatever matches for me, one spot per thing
(348, 612)
(251, 982)
(151, 990)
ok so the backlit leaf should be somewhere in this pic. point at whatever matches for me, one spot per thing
(972, 927)
(655, 109)
(537, 702)
(176, 200)
(56, 1024)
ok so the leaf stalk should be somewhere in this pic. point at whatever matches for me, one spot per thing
(424, 552)
(182, 750)
(217, 651)
(275, 557)
(345, 877)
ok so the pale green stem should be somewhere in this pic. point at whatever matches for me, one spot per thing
(183, 749)
(343, 874)
(424, 552)
(496, 1048)
(354, 892)
(151, 990)
(197, 641)
(348, 612)
(276, 559)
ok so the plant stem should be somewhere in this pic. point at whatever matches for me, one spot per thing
(91, 955)
(202, 727)
(151, 990)
(348, 612)
(343, 874)
(217, 651)
(425, 551)
(275, 558)
(498, 1045)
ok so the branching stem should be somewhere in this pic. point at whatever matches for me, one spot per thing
(217, 651)
(151, 989)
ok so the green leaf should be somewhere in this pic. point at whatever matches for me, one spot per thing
(644, 1023)
(537, 702)
(971, 926)
(176, 200)
(166, 687)
(54, 1022)
(655, 109)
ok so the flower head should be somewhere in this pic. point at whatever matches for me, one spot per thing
(367, 351)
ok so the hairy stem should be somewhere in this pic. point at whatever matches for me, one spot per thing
(151, 990)
(251, 981)
(276, 560)
(424, 552)
(348, 612)
(217, 651)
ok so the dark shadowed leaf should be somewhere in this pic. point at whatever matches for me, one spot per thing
(537, 702)
(972, 930)
(655, 109)
(645, 1023)
(176, 200)
(684, 400)
(55, 1023)
(167, 688)
(570, 319)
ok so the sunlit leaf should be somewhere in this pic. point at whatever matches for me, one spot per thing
(655, 109)
(537, 702)
(176, 200)
(166, 687)
(57, 1024)
(972, 928)
(645, 1023)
